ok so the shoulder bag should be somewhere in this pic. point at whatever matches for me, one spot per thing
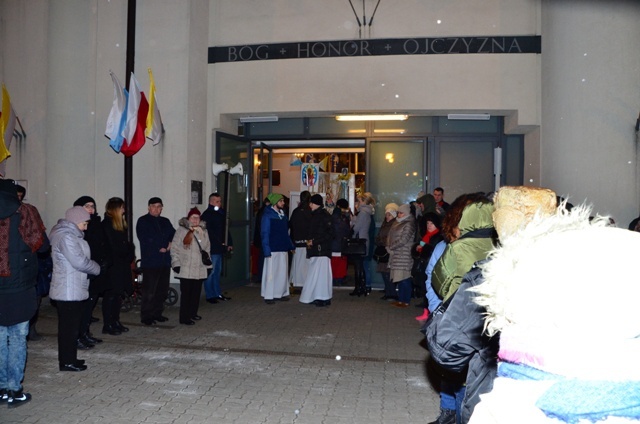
(206, 258)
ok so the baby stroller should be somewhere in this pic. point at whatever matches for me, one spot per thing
(128, 302)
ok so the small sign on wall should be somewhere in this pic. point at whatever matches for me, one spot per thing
(196, 192)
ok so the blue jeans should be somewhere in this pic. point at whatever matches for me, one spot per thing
(432, 298)
(405, 288)
(451, 397)
(212, 288)
(13, 355)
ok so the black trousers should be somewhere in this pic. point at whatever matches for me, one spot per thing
(190, 291)
(155, 286)
(111, 304)
(69, 314)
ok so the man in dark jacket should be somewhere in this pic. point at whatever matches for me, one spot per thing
(21, 235)
(155, 233)
(215, 218)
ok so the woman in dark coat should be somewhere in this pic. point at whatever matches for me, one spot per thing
(119, 278)
(341, 221)
(101, 253)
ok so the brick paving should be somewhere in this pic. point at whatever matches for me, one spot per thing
(244, 362)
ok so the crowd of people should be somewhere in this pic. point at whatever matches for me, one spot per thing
(452, 257)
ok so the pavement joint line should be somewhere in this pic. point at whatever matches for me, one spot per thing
(131, 342)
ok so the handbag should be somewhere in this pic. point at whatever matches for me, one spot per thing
(206, 258)
(381, 255)
(354, 247)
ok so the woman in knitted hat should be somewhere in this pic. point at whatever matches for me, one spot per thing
(118, 278)
(190, 239)
(401, 237)
(69, 282)
(390, 214)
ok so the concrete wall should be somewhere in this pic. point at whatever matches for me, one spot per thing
(590, 103)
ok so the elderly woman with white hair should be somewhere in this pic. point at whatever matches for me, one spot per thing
(400, 242)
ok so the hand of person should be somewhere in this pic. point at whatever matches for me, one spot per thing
(176, 269)
(419, 249)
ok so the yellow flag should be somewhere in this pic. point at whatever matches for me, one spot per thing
(7, 124)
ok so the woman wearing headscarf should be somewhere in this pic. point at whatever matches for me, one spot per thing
(186, 261)
(69, 282)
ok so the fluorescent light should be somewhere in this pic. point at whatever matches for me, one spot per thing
(389, 131)
(372, 117)
(249, 119)
(469, 116)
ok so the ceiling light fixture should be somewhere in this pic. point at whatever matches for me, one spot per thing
(250, 119)
(393, 117)
(469, 116)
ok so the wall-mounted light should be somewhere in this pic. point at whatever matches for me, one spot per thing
(392, 117)
(250, 119)
(389, 157)
(469, 116)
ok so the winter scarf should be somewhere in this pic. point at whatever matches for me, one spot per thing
(31, 230)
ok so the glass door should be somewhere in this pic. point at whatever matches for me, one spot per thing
(234, 188)
(464, 165)
(396, 171)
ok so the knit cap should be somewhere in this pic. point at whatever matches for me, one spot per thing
(274, 198)
(77, 214)
(391, 208)
(342, 204)
(316, 199)
(83, 200)
(193, 211)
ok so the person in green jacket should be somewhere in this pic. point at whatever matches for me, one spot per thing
(474, 244)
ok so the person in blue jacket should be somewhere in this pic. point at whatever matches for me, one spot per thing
(276, 245)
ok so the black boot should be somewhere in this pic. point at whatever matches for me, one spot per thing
(447, 416)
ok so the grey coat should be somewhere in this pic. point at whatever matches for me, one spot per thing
(401, 238)
(188, 258)
(71, 263)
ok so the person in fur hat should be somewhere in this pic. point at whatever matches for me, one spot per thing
(561, 360)
(186, 261)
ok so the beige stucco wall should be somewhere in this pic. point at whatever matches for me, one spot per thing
(56, 68)
(55, 58)
(591, 100)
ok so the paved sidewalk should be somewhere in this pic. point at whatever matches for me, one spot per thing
(245, 362)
